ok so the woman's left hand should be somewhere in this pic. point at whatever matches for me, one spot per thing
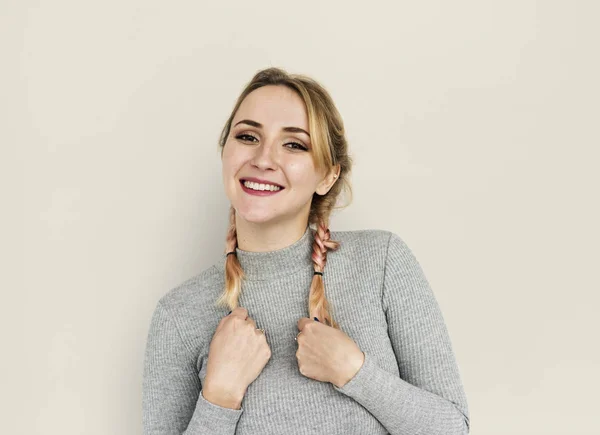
(327, 354)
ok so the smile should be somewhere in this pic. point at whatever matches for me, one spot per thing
(259, 189)
(260, 186)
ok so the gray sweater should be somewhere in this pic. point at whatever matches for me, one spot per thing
(409, 382)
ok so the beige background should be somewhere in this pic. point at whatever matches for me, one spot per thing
(474, 128)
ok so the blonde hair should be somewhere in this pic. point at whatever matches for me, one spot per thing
(329, 148)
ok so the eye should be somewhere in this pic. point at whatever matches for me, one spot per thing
(242, 136)
(249, 138)
(298, 146)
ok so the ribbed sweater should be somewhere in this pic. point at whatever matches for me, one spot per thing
(408, 384)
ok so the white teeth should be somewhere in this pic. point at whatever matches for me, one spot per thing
(260, 186)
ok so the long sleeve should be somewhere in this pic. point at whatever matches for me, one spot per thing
(172, 402)
(428, 397)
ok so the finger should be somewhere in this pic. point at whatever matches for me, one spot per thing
(236, 312)
(302, 323)
(240, 312)
(251, 321)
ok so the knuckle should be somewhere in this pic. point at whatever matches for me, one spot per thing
(238, 323)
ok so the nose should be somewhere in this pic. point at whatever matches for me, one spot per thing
(265, 156)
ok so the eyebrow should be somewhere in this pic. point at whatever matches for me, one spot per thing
(259, 125)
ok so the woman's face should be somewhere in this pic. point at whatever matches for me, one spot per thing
(269, 141)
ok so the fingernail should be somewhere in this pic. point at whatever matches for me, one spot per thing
(316, 319)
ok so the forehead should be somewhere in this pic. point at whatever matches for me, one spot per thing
(274, 106)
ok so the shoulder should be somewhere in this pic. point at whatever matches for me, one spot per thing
(374, 243)
(366, 239)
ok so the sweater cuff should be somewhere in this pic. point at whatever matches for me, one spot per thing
(362, 381)
(208, 415)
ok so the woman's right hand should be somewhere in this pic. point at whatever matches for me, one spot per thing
(237, 354)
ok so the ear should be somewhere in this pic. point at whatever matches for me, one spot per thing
(330, 178)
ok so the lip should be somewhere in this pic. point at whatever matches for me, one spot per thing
(258, 192)
(259, 180)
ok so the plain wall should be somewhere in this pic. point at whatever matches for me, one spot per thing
(474, 130)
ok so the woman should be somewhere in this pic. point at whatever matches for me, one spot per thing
(254, 344)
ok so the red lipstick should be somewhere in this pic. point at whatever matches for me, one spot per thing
(259, 192)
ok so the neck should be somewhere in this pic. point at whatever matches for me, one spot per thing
(277, 263)
(253, 237)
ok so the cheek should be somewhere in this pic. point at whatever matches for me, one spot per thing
(228, 173)
(230, 161)
(302, 176)
(226, 153)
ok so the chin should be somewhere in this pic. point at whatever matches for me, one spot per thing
(256, 216)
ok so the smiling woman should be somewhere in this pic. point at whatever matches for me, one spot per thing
(269, 144)
(378, 360)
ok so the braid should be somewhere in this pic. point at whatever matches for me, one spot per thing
(318, 305)
(233, 270)
(317, 302)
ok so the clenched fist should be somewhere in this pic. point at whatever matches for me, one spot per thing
(237, 354)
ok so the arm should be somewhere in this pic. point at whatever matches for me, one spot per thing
(428, 397)
(172, 401)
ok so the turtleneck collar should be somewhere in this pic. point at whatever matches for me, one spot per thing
(259, 266)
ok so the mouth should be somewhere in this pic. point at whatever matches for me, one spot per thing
(260, 189)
